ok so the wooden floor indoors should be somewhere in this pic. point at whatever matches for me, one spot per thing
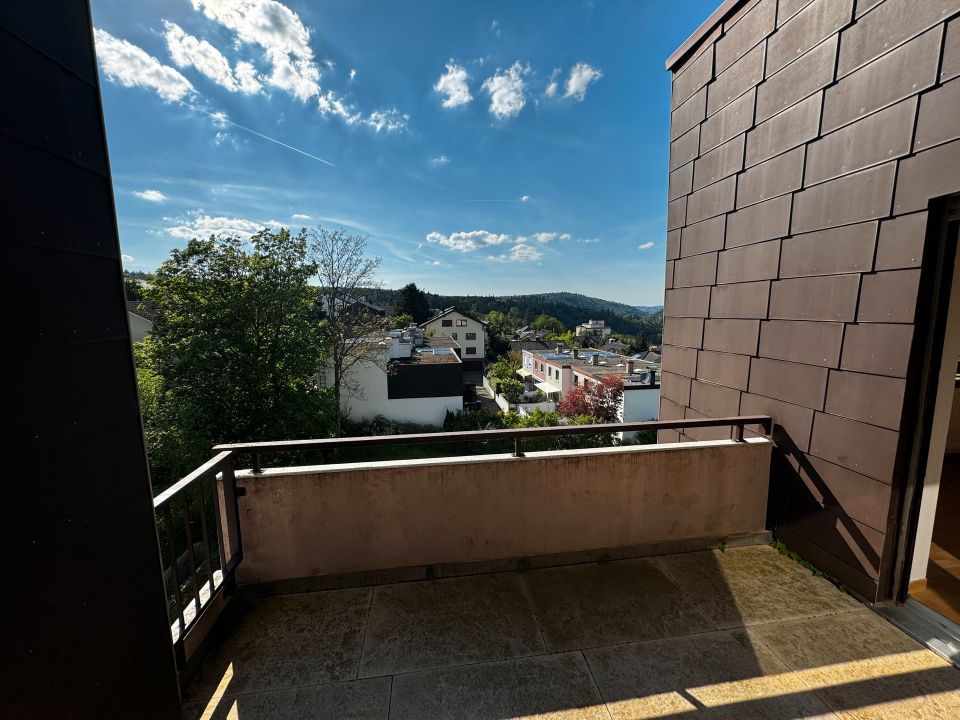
(942, 593)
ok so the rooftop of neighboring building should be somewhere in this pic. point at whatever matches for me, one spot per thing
(450, 310)
(139, 307)
(438, 350)
(606, 363)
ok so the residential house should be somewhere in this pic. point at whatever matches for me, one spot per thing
(140, 317)
(349, 303)
(594, 330)
(468, 331)
(418, 379)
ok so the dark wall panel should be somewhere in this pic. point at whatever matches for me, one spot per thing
(798, 247)
(84, 620)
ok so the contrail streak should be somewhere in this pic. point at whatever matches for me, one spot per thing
(222, 117)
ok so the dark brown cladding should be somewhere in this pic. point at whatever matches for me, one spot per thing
(808, 139)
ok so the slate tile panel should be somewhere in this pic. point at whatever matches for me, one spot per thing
(687, 332)
(889, 297)
(675, 387)
(736, 80)
(686, 116)
(731, 335)
(864, 6)
(814, 343)
(864, 195)
(719, 163)
(673, 244)
(877, 348)
(753, 27)
(939, 119)
(816, 22)
(875, 139)
(680, 360)
(687, 302)
(845, 249)
(712, 200)
(900, 244)
(788, 381)
(681, 181)
(771, 178)
(701, 237)
(857, 446)
(685, 148)
(714, 400)
(793, 420)
(695, 75)
(759, 261)
(862, 498)
(789, 129)
(668, 275)
(724, 369)
(763, 221)
(830, 297)
(897, 75)
(891, 24)
(729, 122)
(786, 9)
(670, 410)
(696, 270)
(741, 300)
(951, 52)
(928, 174)
(676, 213)
(874, 399)
(707, 433)
(804, 77)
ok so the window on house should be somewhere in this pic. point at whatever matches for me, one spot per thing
(471, 351)
(453, 335)
(446, 323)
(461, 323)
(471, 336)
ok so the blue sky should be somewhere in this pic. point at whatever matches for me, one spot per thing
(484, 148)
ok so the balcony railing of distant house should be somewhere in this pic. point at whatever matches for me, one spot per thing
(199, 523)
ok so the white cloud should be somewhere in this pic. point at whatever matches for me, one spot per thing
(300, 216)
(353, 73)
(127, 258)
(453, 86)
(131, 66)
(467, 241)
(154, 196)
(645, 246)
(433, 262)
(379, 120)
(439, 160)
(581, 77)
(506, 90)
(495, 26)
(525, 198)
(198, 225)
(543, 237)
(189, 51)
(553, 85)
(391, 120)
(518, 253)
(588, 241)
(282, 35)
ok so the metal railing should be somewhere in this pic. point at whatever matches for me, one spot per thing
(183, 511)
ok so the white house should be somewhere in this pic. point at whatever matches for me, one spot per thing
(424, 380)
(596, 330)
(140, 319)
(467, 331)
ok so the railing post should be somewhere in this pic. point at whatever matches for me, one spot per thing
(257, 469)
(738, 433)
(518, 446)
(229, 513)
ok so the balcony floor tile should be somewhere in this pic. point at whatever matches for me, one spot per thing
(288, 641)
(430, 624)
(753, 585)
(556, 686)
(582, 606)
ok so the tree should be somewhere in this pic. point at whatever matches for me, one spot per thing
(504, 368)
(511, 389)
(599, 399)
(351, 330)
(412, 301)
(547, 323)
(402, 321)
(132, 288)
(233, 350)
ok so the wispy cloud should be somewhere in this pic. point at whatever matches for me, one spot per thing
(506, 89)
(645, 246)
(588, 241)
(301, 216)
(353, 73)
(453, 86)
(525, 198)
(581, 77)
(438, 160)
(518, 253)
(154, 196)
(189, 51)
(552, 85)
(131, 66)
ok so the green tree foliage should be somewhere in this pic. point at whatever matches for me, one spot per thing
(547, 323)
(132, 288)
(401, 321)
(504, 368)
(411, 300)
(512, 390)
(233, 350)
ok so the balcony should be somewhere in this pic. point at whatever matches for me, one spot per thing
(625, 582)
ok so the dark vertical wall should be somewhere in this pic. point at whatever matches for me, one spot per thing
(83, 620)
(807, 138)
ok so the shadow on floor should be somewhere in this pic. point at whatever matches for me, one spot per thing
(744, 633)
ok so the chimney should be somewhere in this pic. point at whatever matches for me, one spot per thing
(559, 349)
(630, 365)
(576, 353)
(653, 376)
(595, 359)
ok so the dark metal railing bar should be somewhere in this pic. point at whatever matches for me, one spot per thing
(206, 536)
(222, 562)
(175, 575)
(211, 464)
(191, 554)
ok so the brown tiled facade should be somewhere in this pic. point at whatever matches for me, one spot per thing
(807, 140)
